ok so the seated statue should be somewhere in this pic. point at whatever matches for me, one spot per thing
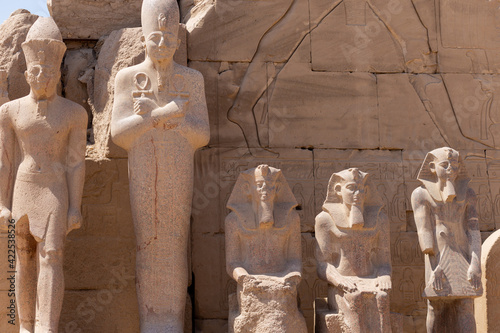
(353, 255)
(263, 253)
(448, 233)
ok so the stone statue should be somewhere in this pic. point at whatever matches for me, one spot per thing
(263, 253)
(160, 118)
(353, 255)
(42, 171)
(448, 233)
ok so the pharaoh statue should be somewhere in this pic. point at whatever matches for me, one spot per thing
(448, 233)
(353, 256)
(160, 118)
(42, 171)
(263, 254)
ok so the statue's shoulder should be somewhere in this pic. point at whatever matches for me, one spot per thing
(7, 108)
(75, 111)
(130, 72)
(190, 74)
(420, 195)
(323, 220)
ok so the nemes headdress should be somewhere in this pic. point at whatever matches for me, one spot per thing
(160, 15)
(429, 179)
(44, 43)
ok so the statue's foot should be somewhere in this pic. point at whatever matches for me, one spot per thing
(263, 152)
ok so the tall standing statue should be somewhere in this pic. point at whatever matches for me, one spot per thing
(263, 253)
(42, 171)
(160, 117)
(448, 233)
(353, 256)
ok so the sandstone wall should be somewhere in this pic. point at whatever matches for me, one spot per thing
(354, 83)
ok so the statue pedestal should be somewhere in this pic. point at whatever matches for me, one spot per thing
(326, 321)
(265, 305)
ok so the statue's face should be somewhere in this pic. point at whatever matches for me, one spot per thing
(264, 190)
(446, 169)
(161, 45)
(43, 79)
(352, 193)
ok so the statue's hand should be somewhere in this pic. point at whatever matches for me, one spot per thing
(143, 105)
(165, 114)
(347, 284)
(74, 219)
(436, 279)
(5, 216)
(384, 283)
(293, 278)
(474, 276)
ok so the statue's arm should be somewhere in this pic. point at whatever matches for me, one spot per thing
(127, 125)
(325, 252)
(7, 146)
(76, 166)
(422, 214)
(474, 237)
(233, 249)
(196, 126)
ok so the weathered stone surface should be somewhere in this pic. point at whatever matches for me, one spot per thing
(160, 118)
(448, 230)
(105, 16)
(353, 255)
(362, 36)
(263, 253)
(13, 33)
(486, 307)
(43, 184)
(123, 48)
(78, 68)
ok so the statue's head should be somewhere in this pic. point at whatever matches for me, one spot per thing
(160, 26)
(262, 191)
(349, 186)
(350, 193)
(443, 173)
(43, 50)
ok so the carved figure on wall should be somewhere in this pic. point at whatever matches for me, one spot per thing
(160, 118)
(280, 42)
(448, 233)
(353, 254)
(43, 139)
(263, 253)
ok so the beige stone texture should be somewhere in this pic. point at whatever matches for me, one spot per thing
(12, 35)
(448, 231)
(105, 16)
(486, 307)
(263, 253)
(121, 49)
(160, 118)
(42, 173)
(353, 255)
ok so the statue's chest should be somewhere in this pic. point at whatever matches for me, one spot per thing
(265, 242)
(41, 127)
(448, 211)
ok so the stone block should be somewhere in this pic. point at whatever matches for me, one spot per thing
(73, 17)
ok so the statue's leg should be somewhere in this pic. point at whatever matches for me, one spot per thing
(434, 310)
(352, 309)
(383, 305)
(50, 291)
(465, 313)
(26, 275)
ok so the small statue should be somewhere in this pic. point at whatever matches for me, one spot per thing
(43, 138)
(160, 118)
(448, 233)
(353, 254)
(263, 253)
